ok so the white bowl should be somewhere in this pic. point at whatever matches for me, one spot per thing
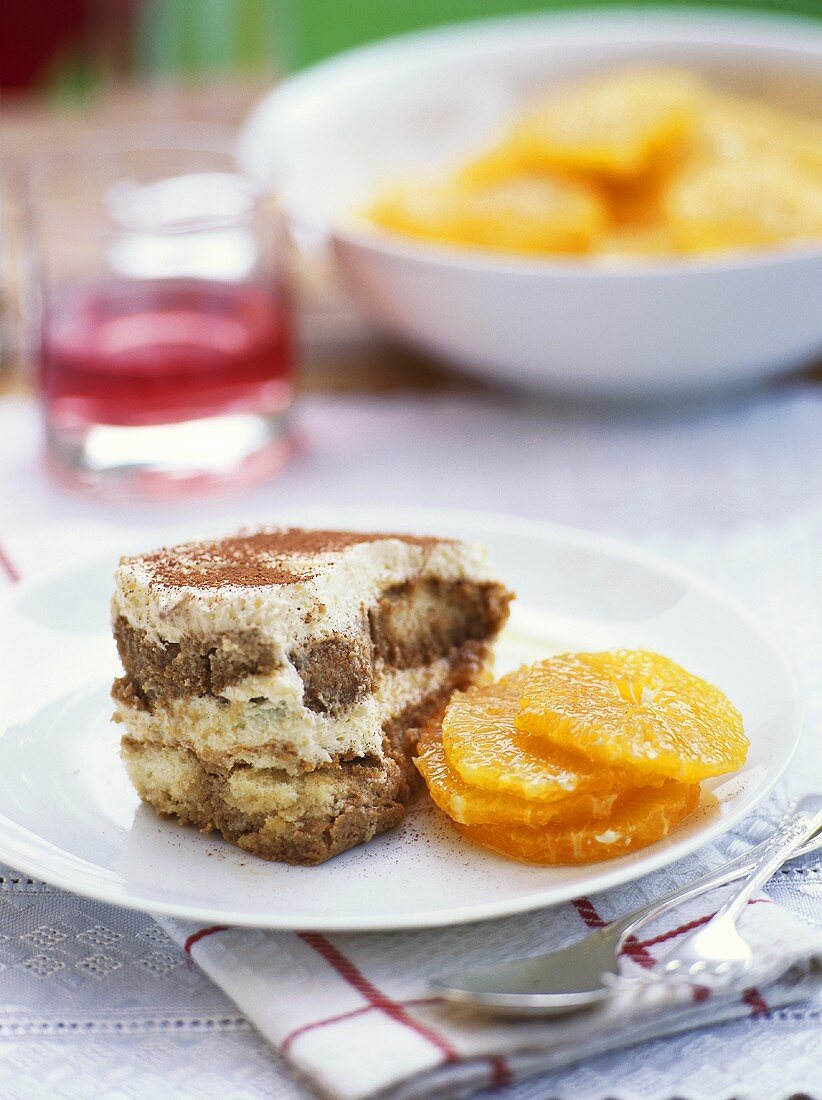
(329, 136)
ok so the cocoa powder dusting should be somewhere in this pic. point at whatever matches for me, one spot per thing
(257, 558)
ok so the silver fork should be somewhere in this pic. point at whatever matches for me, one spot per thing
(585, 972)
(716, 954)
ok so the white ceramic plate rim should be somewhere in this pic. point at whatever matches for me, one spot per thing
(33, 856)
(734, 28)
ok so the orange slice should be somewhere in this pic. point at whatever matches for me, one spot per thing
(640, 818)
(633, 709)
(744, 203)
(734, 128)
(474, 806)
(486, 750)
(612, 126)
(519, 215)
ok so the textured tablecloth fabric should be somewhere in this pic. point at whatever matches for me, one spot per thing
(356, 1015)
(96, 1001)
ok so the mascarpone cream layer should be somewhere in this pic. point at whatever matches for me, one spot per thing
(290, 614)
(279, 732)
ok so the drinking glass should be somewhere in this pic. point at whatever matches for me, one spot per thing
(162, 311)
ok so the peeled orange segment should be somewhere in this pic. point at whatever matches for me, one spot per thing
(732, 128)
(612, 126)
(520, 215)
(633, 709)
(640, 818)
(486, 750)
(739, 203)
(474, 806)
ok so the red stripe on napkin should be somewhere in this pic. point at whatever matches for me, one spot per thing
(683, 928)
(393, 1009)
(585, 908)
(327, 1020)
(638, 952)
(8, 568)
(195, 937)
(285, 1045)
(632, 947)
(500, 1073)
(755, 999)
(679, 931)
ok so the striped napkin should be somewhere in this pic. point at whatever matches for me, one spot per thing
(354, 1013)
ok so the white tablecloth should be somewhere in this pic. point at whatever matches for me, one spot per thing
(95, 1001)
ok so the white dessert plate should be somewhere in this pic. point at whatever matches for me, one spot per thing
(70, 816)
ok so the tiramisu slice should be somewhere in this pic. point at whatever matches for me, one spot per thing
(274, 680)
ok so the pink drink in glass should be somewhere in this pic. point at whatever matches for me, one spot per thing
(165, 341)
(128, 353)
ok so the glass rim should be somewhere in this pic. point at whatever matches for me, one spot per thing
(114, 139)
(98, 158)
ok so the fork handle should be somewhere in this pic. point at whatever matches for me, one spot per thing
(626, 926)
(630, 923)
(795, 826)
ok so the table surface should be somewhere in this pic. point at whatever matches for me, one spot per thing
(733, 489)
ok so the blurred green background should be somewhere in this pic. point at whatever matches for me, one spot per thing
(317, 28)
(70, 48)
(189, 35)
